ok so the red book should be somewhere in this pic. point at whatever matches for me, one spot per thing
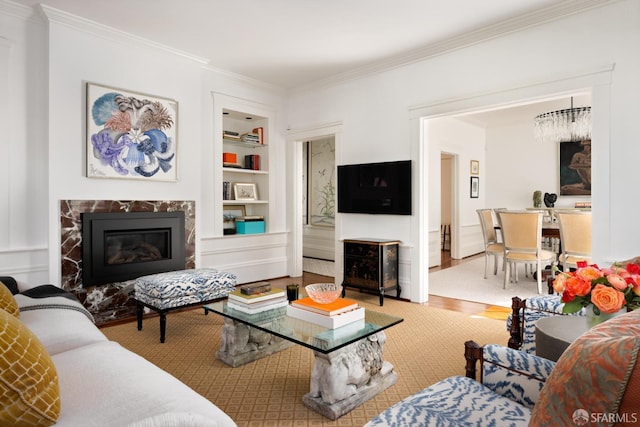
(260, 132)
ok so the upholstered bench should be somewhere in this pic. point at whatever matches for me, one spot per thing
(164, 292)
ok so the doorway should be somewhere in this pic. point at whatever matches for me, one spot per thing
(446, 206)
(319, 205)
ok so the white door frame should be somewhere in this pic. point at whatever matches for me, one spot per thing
(295, 138)
(597, 80)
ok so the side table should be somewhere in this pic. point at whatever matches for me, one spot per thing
(554, 334)
(372, 265)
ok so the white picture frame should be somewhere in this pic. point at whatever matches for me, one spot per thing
(119, 122)
(245, 191)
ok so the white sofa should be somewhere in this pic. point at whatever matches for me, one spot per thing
(103, 384)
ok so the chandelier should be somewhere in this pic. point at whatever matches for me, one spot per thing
(570, 124)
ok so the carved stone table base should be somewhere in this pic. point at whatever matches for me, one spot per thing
(242, 344)
(348, 377)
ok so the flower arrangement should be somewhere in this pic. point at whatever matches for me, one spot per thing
(608, 289)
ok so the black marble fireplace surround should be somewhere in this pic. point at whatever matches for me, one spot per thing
(112, 300)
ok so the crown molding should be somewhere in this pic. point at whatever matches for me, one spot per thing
(19, 10)
(94, 28)
(243, 79)
(538, 17)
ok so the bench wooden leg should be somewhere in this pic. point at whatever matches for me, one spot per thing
(163, 325)
(139, 312)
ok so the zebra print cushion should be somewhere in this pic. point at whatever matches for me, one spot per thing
(454, 401)
(179, 288)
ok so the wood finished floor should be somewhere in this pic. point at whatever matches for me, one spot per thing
(434, 301)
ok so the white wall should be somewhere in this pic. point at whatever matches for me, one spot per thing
(23, 147)
(562, 56)
(514, 156)
(467, 142)
(47, 59)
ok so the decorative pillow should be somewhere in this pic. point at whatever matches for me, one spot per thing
(8, 302)
(29, 389)
(596, 378)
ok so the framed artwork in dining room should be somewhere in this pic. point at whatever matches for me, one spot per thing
(475, 167)
(575, 168)
(475, 187)
(130, 135)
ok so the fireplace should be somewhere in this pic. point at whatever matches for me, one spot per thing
(120, 246)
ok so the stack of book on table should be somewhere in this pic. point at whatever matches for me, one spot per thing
(334, 315)
(256, 298)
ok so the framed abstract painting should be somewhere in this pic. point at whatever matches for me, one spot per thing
(130, 135)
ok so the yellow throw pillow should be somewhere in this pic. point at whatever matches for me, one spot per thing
(8, 302)
(29, 389)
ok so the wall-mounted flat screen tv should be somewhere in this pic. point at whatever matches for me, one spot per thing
(375, 188)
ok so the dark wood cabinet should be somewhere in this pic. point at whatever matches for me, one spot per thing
(371, 265)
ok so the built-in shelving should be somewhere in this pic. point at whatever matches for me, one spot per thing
(251, 164)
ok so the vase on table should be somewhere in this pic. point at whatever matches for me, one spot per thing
(595, 319)
(537, 199)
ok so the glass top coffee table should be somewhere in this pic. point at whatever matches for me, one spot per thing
(348, 370)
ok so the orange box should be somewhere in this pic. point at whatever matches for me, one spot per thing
(229, 158)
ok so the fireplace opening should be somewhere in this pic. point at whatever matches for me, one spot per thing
(136, 246)
(121, 246)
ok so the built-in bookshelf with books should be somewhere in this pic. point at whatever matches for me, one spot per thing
(244, 158)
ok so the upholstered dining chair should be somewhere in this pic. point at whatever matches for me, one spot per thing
(575, 237)
(491, 245)
(522, 235)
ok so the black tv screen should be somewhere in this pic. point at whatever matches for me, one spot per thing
(375, 188)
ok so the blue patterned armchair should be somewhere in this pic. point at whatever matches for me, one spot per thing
(509, 384)
(521, 323)
(595, 381)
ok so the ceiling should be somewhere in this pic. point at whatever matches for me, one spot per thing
(294, 43)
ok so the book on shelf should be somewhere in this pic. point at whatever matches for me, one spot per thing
(273, 293)
(255, 288)
(250, 137)
(341, 305)
(231, 165)
(226, 190)
(252, 309)
(249, 218)
(260, 132)
(329, 322)
(252, 161)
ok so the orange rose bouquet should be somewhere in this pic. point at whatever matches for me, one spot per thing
(607, 289)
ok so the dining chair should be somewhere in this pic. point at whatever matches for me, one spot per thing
(575, 237)
(491, 245)
(522, 236)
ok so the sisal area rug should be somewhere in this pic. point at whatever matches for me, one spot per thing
(427, 347)
(466, 282)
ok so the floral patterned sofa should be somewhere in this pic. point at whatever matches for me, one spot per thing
(596, 380)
